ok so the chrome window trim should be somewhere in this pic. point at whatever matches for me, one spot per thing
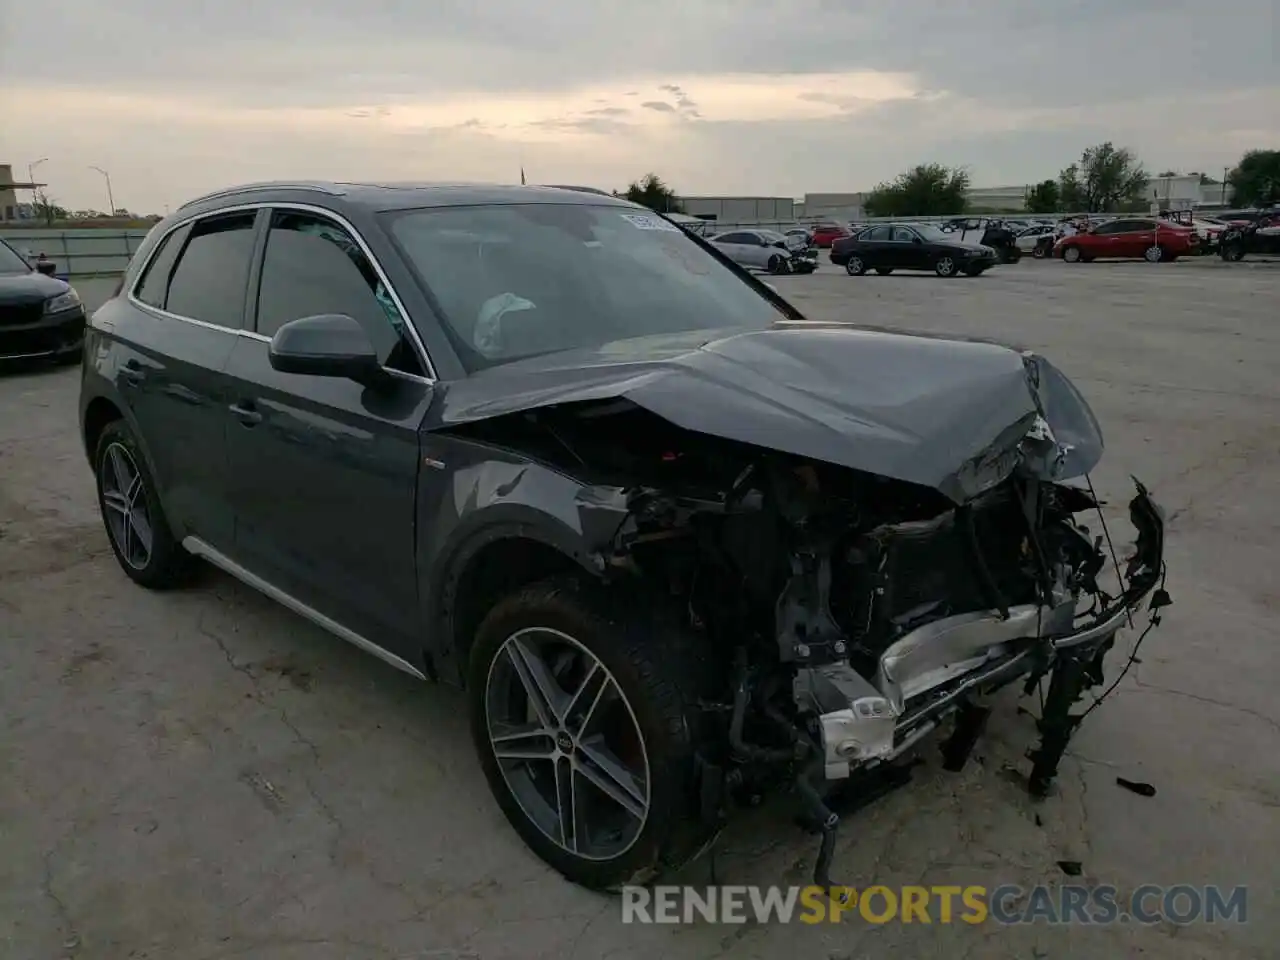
(419, 347)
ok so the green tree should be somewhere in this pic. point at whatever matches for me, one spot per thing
(649, 191)
(1044, 197)
(1070, 191)
(1110, 177)
(1255, 181)
(927, 190)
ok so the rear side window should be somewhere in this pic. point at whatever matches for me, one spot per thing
(213, 271)
(153, 286)
(877, 233)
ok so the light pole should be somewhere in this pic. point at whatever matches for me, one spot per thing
(111, 201)
(31, 178)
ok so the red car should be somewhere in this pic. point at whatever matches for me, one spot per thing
(825, 234)
(1139, 238)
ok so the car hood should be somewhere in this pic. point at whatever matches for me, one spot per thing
(954, 415)
(29, 288)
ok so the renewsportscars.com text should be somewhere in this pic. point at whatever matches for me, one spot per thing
(1008, 904)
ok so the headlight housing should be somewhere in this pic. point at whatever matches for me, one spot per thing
(63, 301)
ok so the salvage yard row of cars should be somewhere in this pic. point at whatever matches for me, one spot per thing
(680, 546)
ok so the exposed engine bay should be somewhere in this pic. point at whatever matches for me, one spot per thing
(844, 615)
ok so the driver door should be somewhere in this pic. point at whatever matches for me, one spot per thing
(909, 250)
(322, 471)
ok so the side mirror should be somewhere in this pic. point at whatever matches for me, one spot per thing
(326, 345)
(916, 240)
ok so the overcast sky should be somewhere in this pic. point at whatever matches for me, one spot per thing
(175, 97)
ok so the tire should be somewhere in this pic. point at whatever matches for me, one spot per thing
(855, 266)
(777, 265)
(1155, 254)
(945, 267)
(884, 271)
(1040, 251)
(1071, 254)
(635, 654)
(1233, 253)
(158, 561)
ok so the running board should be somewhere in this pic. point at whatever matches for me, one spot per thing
(197, 547)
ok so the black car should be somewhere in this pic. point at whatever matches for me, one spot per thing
(887, 247)
(679, 545)
(40, 315)
(1260, 237)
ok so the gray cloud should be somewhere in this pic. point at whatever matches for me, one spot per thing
(1019, 88)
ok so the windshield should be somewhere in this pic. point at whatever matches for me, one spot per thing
(516, 280)
(11, 262)
(929, 232)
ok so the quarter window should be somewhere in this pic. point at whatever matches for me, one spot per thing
(209, 281)
(314, 266)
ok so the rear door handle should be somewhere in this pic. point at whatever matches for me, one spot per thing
(245, 412)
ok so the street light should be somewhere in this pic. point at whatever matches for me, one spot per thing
(31, 169)
(111, 201)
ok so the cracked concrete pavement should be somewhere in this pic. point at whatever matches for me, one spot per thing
(202, 775)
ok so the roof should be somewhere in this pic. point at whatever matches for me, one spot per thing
(401, 196)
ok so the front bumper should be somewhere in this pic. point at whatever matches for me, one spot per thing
(52, 335)
(937, 669)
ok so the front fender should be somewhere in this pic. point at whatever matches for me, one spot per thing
(486, 495)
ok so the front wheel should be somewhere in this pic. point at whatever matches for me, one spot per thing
(1233, 253)
(1071, 254)
(578, 715)
(945, 267)
(1154, 254)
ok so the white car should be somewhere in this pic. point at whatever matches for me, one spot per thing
(1028, 240)
(756, 249)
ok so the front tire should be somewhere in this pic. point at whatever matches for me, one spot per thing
(945, 267)
(1071, 254)
(1154, 254)
(137, 529)
(578, 715)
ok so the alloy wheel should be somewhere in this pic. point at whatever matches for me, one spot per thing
(854, 267)
(1153, 254)
(567, 743)
(945, 267)
(1071, 254)
(124, 500)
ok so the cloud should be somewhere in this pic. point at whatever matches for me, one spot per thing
(816, 95)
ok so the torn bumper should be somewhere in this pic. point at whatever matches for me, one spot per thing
(932, 671)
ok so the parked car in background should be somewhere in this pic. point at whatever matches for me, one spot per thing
(40, 315)
(764, 250)
(887, 247)
(801, 236)
(1129, 238)
(679, 547)
(824, 234)
(1037, 241)
(1240, 240)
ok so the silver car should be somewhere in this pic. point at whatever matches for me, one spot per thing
(756, 249)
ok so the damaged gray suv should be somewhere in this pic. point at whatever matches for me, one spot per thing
(679, 545)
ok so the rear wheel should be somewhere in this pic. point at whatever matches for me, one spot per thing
(778, 265)
(945, 267)
(136, 526)
(578, 715)
(1040, 251)
(1233, 253)
(855, 266)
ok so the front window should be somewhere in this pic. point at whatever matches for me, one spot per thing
(517, 280)
(10, 262)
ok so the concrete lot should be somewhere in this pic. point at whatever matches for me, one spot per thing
(202, 775)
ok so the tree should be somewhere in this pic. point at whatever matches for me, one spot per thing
(1070, 192)
(1110, 177)
(1044, 197)
(927, 190)
(649, 191)
(1255, 181)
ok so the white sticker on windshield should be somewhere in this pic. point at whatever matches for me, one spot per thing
(644, 222)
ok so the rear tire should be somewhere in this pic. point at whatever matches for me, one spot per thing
(855, 266)
(1233, 253)
(561, 626)
(777, 265)
(137, 529)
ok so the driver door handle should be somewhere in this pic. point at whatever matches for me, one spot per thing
(132, 371)
(246, 413)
